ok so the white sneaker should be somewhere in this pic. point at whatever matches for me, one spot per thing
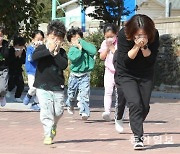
(119, 126)
(79, 105)
(84, 116)
(106, 116)
(138, 145)
(2, 101)
(70, 110)
(8, 94)
(19, 100)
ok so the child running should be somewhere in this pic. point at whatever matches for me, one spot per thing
(107, 50)
(30, 66)
(81, 55)
(16, 59)
(107, 53)
(49, 78)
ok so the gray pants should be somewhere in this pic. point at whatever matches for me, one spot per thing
(3, 82)
(52, 108)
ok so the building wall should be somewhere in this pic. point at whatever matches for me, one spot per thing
(73, 16)
(155, 10)
(175, 13)
(169, 25)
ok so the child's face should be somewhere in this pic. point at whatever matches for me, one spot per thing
(75, 37)
(55, 39)
(110, 36)
(18, 48)
(38, 37)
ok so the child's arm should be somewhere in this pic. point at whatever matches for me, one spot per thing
(61, 59)
(104, 50)
(29, 52)
(74, 54)
(89, 47)
(40, 52)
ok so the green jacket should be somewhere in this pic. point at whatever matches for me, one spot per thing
(82, 60)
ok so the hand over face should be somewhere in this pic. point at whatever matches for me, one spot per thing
(75, 42)
(51, 45)
(140, 42)
(37, 43)
(53, 42)
(19, 51)
(109, 42)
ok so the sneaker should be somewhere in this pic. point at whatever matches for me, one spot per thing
(119, 126)
(8, 94)
(84, 116)
(79, 105)
(138, 145)
(35, 107)
(2, 101)
(26, 100)
(106, 116)
(47, 140)
(19, 100)
(53, 132)
(70, 110)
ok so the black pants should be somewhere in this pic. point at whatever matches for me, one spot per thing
(137, 92)
(16, 80)
(120, 103)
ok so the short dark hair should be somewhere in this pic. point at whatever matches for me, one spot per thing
(2, 29)
(37, 32)
(140, 21)
(110, 27)
(18, 40)
(57, 28)
(73, 31)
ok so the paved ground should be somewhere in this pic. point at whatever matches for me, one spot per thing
(21, 131)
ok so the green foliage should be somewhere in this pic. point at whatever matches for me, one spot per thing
(19, 15)
(101, 11)
(46, 16)
(167, 68)
(97, 75)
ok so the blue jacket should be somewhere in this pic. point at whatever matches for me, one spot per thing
(30, 65)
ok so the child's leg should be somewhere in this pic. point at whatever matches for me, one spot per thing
(72, 89)
(84, 93)
(58, 105)
(47, 110)
(20, 85)
(11, 82)
(109, 86)
(32, 90)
